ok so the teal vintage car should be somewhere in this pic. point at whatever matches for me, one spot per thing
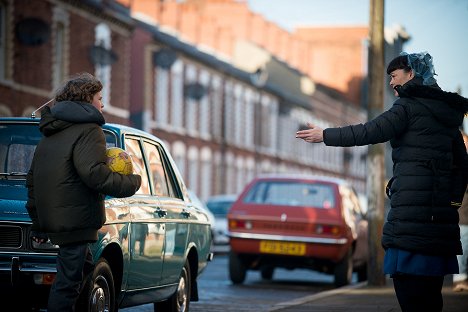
(152, 248)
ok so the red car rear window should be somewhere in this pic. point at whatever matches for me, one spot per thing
(291, 193)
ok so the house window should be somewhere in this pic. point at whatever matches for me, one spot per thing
(177, 95)
(103, 71)
(59, 64)
(193, 170)
(60, 46)
(216, 99)
(229, 112)
(204, 119)
(162, 96)
(238, 117)
(191, 106)
(2, 41)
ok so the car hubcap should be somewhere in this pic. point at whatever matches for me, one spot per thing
(99, 297)
(182, 294)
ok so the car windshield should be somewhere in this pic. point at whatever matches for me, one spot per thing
(17, 145)
(292, 194)
(220, 208)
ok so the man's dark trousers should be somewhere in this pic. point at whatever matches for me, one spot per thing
(72, 260)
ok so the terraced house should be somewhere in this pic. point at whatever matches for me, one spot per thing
(222, 86)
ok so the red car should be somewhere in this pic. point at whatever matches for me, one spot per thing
(297, 221)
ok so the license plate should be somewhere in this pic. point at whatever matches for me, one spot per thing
(281, 248)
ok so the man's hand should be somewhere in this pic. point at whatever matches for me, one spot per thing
(38, 237)
(312, 135)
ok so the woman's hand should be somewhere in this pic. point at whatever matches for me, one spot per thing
(312, 135)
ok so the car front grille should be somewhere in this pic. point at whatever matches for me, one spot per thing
(10, 236)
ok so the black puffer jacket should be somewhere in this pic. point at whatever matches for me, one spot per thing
(430, 166)
(69, 174)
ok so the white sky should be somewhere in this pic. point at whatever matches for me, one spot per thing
(439, 27)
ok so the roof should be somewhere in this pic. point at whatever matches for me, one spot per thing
(222, 197)
(293, 176)
(222, 66)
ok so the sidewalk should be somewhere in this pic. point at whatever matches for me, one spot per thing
(361, 297)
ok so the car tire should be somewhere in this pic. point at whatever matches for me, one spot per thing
(180, 300)
(98, 293)
(237, 270)
(344, 270)
(267, 272)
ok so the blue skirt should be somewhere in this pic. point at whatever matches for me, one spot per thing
(401, 261)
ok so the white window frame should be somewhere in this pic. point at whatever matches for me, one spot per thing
(177, 95)
(103, 72)
(161, 105)
(61, 22)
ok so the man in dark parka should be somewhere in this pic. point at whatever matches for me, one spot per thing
(430, 171)
(67, 182)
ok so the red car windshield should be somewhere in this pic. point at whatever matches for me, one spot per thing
(292, 193)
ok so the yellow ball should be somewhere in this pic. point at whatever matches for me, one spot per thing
(119, 161)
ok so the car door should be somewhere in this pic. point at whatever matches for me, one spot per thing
(147, 227)
(168, 189)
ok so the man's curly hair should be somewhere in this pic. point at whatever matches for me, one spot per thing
(81, 87)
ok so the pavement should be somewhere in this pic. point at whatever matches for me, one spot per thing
(362, 297)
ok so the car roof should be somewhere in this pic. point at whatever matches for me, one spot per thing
(121, 129)
(301, 176)
(222, 197)
(20, 119)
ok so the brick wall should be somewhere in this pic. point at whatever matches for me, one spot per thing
(331, 56)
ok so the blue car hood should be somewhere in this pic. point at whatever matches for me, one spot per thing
(13, 196)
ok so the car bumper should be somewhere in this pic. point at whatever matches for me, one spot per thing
(332, 249)
(20, 270)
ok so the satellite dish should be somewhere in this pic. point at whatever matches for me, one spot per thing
(195, 91)
(164, 58)
(259, 77)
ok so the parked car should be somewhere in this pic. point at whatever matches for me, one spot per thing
(219, 205)
(152, 248)
(199, 204)
(297, 221)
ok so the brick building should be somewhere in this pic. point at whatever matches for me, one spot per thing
(43, 42)
(223, 87)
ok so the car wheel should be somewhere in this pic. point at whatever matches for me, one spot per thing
(98, 294)
(237, 270)
(267, 272)
(180, 300)
(344, 270)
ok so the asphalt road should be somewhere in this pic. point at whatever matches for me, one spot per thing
(217, 293)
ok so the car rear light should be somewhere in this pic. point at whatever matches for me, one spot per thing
(240, 224)
(44, 278)
(327, 229)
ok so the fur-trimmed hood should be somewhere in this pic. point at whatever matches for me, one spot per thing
(448, 107)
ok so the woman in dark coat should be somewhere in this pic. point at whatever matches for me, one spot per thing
(430, 171)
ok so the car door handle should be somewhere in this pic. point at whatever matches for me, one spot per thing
(185, 213)
(161, 212)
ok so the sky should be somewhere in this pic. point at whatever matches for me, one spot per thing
(439, 27)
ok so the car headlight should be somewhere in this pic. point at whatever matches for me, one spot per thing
(45, 246)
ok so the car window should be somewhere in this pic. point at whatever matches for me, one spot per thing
(350, 202)
(111, 139)
(219, 208)
(17, 146)
(292, 194)
(132, 146)
(161, 183)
